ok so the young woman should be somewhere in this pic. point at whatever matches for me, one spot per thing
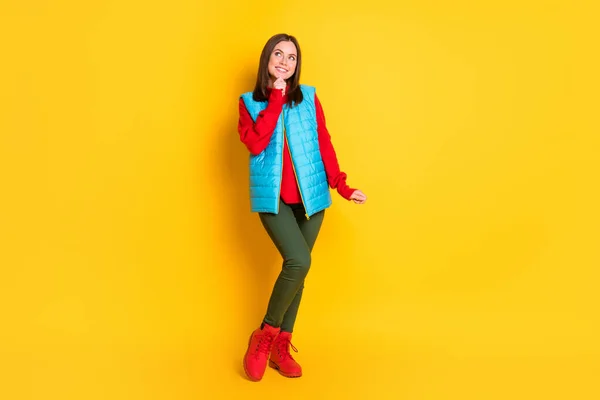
(292, 166)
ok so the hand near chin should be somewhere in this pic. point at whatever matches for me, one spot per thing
(280, 84)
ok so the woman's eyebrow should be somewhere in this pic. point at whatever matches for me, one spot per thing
(276, 49)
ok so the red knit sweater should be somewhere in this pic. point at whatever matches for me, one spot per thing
(256, 137)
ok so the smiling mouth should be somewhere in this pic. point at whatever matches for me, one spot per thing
(281, 69)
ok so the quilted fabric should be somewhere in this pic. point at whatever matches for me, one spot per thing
(265, 168)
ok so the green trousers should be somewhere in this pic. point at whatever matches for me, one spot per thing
(294, 236)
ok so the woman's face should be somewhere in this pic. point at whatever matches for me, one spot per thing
(282, 63)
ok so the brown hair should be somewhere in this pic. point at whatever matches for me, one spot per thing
(294, 93)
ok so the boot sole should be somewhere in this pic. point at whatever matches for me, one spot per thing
(276, 367)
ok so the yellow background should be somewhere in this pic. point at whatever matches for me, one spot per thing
(131, 267)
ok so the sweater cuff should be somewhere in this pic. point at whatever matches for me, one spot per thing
(345, 191)
(276, 96)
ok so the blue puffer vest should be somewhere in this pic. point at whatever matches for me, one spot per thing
(300, 131)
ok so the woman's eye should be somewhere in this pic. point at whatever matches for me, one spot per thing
(277, 54)
(292, 58)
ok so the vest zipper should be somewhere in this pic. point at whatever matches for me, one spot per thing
(293, 167)
(281, 175)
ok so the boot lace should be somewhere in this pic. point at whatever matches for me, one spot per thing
(264, 344)
(283, 348)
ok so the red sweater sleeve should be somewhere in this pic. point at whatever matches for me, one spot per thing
(335, 177)
(256, 135)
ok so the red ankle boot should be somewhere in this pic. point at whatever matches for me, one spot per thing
(281, 359)
(257, 354)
